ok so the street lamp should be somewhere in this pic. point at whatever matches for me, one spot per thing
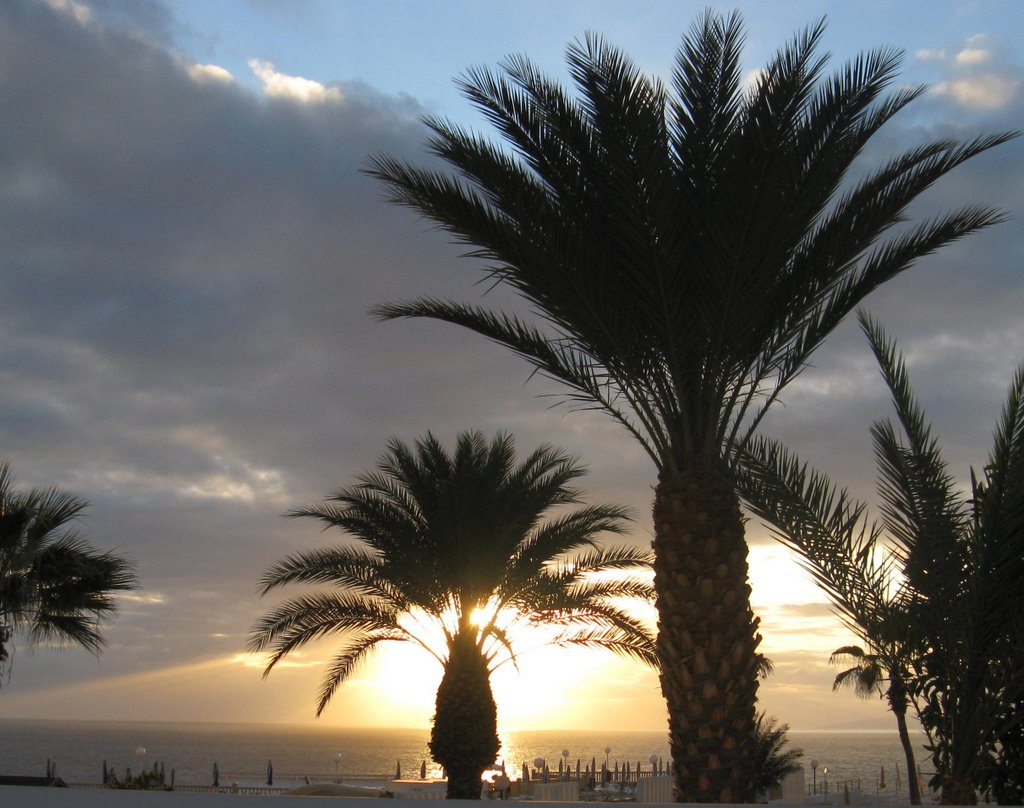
(337, 762)
(824, 773)
(653, 759)
(565, 756)
(814, 774)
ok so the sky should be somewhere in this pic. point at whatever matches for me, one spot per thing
(188, 251)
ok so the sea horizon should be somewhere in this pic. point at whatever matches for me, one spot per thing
(244, 751)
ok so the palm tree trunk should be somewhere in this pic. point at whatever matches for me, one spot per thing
(5, 638)
(464, 738)
(898, 703)
(707, 635)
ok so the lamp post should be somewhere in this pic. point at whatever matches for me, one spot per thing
(824, 773)
(565, 757)
(814, 774)
(653, 759)
(337, 762)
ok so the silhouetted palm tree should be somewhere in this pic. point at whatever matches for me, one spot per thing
(772, 761)
(456, 541)
(934, 589)
(54, 587)
(885, 675)
(683, 252)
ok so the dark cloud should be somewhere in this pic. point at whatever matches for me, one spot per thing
(185, 272)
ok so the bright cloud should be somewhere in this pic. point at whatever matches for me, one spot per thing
(281, 85)
(210, 73)
(973, 56)
(985, 91)
(931, 54)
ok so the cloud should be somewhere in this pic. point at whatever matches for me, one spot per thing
(209, 73)
(979, 76)
(975, 52)
(184, 280)
(281, 85)
(983, 91)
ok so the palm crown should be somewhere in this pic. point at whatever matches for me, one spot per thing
(54, 586)
(685, 251)
(458, 541)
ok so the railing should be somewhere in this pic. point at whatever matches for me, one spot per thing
(234, 789)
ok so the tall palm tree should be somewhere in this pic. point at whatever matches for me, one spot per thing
(886, 675)
(934, 588)
(457, 541)
(54, 587)
(683, 252)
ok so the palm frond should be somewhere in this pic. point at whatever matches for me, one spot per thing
(345, 662)
(828, 530)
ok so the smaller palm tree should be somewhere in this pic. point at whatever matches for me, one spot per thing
(887, 676)
(453, 545)
(54, 587)
(933, 590)
(865, 677)
(772, 761)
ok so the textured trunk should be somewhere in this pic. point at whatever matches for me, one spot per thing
(898, 703)
(464, 738)
(707, 636)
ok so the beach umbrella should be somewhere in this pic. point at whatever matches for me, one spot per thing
(881, 780)
(560, 766)
(216, 775)
(526, 772)
(423, 770)
(172, 779)
(104, 772)
(270, 773)
(577, 768)
(398, 770)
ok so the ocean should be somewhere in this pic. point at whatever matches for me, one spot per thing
(78, 750)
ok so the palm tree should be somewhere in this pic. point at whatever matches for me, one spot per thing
(54, 587)
(773, 762)
(886, 675)
(933, 589)
(683, 253)
(456, 541)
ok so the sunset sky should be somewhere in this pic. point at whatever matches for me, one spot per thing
(187, 254)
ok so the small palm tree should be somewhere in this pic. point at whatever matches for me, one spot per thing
(54, 587)
(934, 588)
(772, 761)
(683, 252)
(886, 676)
(457, 541)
